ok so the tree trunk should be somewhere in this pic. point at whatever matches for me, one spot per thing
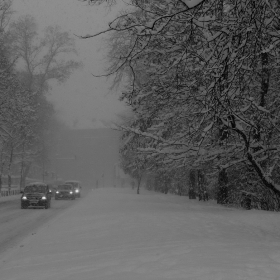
(22, 183)
(9, 182)
(192, 181)
(222, 193)
(265, 74)
(9, 169)
(138, 186)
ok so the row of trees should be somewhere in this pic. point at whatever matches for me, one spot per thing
(202, 80)
(28, 62)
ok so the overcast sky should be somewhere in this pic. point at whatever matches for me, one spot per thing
(83, 100)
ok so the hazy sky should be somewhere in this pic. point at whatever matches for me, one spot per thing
(83, 100)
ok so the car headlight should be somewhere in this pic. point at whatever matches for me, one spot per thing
(44, 198)
(76, 191)
(71, 192)
(24, 198)
(57, 192)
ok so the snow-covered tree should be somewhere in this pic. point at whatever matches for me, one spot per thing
(43, 57)
(16, 113)
(132, 162)
(40, 60)
(204, 81)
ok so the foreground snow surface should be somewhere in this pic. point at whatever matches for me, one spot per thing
(117, 234)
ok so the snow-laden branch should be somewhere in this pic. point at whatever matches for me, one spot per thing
(192, 3)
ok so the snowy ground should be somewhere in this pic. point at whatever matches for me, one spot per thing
(9, 198)
(114, 234)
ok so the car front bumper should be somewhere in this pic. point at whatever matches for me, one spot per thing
(34, 203)
(64, 196)
(77, 194)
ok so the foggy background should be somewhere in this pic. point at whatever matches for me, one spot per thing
(88, 155)
(88, 150)
(83, 101)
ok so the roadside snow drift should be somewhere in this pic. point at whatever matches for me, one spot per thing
(115, 234)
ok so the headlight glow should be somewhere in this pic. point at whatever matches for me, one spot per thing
(71, 192)
(57, 192)
(76, 190)
(43, 198)
(24, 198)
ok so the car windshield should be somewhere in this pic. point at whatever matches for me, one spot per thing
(35, 188)
(74, 184)
(64, 187)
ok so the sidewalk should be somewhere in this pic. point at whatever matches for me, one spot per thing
(10, 197)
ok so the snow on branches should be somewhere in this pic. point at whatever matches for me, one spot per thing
(203, 75)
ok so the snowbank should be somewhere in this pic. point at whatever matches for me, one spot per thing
(10, 197)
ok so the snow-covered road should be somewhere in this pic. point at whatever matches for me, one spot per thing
(16, 223)
(116, 234)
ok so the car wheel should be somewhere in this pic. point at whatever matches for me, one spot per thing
(23, 207)
(47, 205)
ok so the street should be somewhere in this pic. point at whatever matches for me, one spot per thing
(17, 223)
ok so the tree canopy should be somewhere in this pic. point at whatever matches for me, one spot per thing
(202, 82)
(28, 62)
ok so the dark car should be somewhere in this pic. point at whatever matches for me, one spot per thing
(65, 191)
(77, 187)
(36, 195)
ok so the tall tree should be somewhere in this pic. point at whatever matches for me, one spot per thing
(16, 112)
(209, 89)
(41, 59)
